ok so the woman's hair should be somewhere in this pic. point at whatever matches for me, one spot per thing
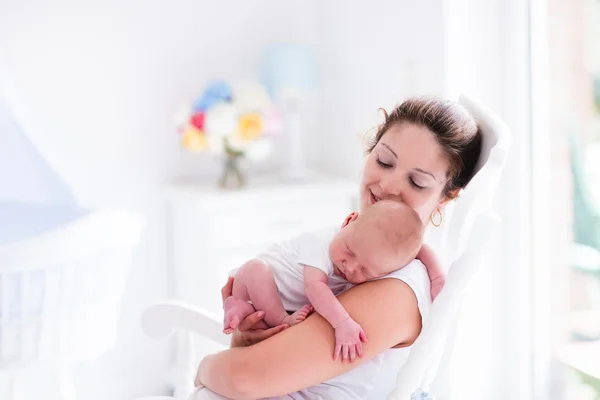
(454, 128)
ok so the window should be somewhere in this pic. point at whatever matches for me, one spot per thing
(565, 56)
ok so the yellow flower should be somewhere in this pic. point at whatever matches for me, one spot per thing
(250, 126)
(194, 139)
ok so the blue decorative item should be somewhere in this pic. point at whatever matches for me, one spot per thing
(215, 93)
(288, 69)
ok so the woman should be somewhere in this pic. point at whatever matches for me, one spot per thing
(423, 154)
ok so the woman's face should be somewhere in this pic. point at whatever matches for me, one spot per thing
(406, 165)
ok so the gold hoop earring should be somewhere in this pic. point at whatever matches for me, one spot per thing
(441, 218)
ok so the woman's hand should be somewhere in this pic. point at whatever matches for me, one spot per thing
(246, 333)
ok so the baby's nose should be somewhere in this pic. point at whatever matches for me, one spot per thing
(350, 267)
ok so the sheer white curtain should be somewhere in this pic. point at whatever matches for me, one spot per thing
(487, 56)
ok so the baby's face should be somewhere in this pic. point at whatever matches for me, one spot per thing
(361, 257)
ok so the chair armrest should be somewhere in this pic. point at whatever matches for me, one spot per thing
(162, 318)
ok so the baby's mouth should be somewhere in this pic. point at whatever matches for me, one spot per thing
(339, 272)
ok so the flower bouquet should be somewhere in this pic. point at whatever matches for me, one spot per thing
(232, 125)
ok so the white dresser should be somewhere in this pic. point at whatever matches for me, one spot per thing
(213, 231)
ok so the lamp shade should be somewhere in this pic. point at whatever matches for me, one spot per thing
(288, 69)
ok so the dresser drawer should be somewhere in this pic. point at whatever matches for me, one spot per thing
(252, 225)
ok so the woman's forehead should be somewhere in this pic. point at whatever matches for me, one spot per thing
(416, 147)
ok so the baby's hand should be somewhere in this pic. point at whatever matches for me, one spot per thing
(348, 338)
(436, 286)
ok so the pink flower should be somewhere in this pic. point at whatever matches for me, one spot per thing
(198, 120)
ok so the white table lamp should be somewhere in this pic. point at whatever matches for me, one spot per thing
(288, 71)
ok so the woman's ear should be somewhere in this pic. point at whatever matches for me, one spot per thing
(350, 218)
(453, 195)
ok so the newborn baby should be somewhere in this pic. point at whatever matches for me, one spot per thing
(307, 271)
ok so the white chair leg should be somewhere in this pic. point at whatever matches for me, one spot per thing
(185, 370)
(14, 389)
(66, 384)
(12, 386)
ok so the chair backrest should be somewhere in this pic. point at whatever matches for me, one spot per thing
(467, 227)
(451, 239)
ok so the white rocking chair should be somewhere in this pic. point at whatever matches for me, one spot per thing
(468, 226)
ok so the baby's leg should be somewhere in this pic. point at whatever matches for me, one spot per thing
(258, 285)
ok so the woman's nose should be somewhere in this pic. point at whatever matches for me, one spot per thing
(391, 186)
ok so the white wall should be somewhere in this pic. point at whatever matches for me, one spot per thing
(487, 56)
(101, 80)
(371, 62)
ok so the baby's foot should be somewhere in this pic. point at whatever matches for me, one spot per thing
(235, 311)
(298, 316)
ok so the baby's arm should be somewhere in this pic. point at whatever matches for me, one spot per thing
(434, 269)
(348, 334)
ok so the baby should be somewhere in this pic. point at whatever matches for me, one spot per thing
(309, 270)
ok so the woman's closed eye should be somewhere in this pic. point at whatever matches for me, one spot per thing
(415, 184)
(383, 164)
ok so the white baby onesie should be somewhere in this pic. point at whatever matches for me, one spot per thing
(287, 259)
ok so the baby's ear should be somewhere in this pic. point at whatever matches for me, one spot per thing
(349, 218)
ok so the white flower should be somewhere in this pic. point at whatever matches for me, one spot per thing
(221, 121)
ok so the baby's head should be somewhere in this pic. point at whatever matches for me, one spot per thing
(383, 239)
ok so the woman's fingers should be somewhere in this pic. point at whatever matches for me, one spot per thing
(251, 320)
(345, 353)
(267, 333)
(227, 290)
(261, 335)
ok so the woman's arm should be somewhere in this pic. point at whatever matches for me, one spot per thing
(300, 356)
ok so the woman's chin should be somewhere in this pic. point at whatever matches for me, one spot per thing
(365, 201)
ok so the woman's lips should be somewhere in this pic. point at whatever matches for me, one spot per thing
(374, 199)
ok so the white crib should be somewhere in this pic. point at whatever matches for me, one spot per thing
(60, 287)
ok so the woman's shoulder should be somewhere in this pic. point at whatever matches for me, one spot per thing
(414, 274)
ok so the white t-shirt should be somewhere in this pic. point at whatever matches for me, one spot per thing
(288, 257)
(374, 379)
